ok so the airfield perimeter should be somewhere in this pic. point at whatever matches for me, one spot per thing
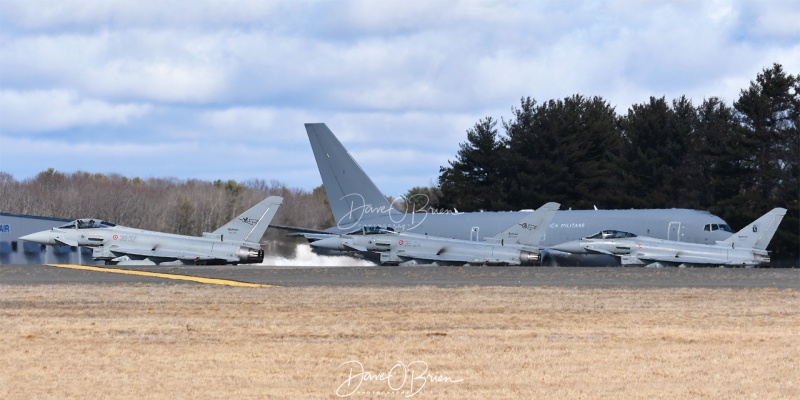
(477, 332)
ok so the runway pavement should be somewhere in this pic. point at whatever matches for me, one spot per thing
(406, 276)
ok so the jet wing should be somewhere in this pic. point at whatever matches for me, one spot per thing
(312, 237)
(300, 230)
(170, 254)
(427, 259)
(452, 258)
(587, 246)
(680, 259)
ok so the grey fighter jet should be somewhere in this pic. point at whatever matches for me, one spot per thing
(747, 248)
(235, 242)
(517, 245)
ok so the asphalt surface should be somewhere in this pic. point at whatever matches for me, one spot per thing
(630, 277)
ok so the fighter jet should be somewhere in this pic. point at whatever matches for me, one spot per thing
(235, 242)
(356, 201)
(517, 245)
(747, 248)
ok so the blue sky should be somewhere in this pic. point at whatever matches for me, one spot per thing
(207, 89)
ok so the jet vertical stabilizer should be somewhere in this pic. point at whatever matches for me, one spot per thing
(759, 233)
(350, 191)
(529, 230)
(251, 224)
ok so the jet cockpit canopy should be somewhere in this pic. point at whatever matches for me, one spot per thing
(372, 230)
(611, 234)
(87, 223)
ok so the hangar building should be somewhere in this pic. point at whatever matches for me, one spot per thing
(15, 251)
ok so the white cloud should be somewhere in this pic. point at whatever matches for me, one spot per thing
(50, 110)
(24, 157)
(779, 21)
(233, 83)
(140, 65)
(65, 14)
(154, 80)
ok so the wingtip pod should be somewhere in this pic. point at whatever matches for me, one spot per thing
(758, 233)
(349, 189)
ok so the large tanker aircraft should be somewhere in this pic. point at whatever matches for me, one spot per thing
(356, 201)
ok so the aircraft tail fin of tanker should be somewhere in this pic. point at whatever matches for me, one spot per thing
(350, 191)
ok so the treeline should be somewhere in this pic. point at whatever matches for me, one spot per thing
(162, 204)
(737, 162)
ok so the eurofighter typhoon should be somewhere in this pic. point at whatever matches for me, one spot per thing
(517, 245)
(746, 248)
(235, 242)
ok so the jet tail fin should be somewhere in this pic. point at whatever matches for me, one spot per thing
(758, 234)
(350, 191)
(530, 229)
(251, 224)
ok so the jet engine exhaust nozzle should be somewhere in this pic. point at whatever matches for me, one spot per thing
(247, 255)
(528, 258)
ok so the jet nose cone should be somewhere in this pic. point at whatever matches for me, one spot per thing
(573, 247)
(331, 243)
(42, 237)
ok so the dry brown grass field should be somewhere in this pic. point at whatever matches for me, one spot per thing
(198, 341)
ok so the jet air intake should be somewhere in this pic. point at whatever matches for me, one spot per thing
(249, 256)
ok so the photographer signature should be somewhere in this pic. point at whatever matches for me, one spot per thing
(398, 210)
(410, 377)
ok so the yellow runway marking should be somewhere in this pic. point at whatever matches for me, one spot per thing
(199, 279)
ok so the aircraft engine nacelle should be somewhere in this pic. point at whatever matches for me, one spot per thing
(761, 260)
(249, 256)
(528, 258)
